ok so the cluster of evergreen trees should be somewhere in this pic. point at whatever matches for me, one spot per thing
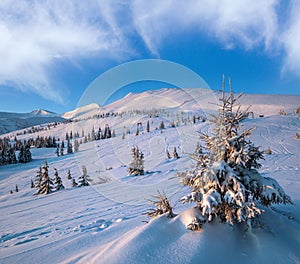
(38, 142)
(8, 154)
(99, 134)
(70, 148)
(45, 184)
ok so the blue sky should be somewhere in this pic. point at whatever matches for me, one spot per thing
(50, 51)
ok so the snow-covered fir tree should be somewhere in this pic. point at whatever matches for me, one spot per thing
(46, 183)
(136, 167)
(21, 156)
(24, 155)
(57, 181)
(28, 156)
(226, 182)
(83, 179)
(12, 156)
(38, 179)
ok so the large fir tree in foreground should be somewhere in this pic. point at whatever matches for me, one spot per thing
(226, 183)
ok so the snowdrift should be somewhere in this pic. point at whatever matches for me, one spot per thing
(166, 240)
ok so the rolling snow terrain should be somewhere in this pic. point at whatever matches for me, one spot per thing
(104, 222)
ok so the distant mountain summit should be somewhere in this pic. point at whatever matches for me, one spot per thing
(43, 113)
(16, 121)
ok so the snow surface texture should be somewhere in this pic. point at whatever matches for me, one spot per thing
(103, 223)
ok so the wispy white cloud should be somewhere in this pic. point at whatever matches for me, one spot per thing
(246, 23)
(35, 34)
(291, 39)
(233, 24)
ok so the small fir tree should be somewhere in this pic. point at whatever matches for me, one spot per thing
(69, 147)
(162, 125)
(16, 188)
(76, 145)
(57, 151)
(31, 184)
(58, 182)
(12, 156)
(175, 154)
(69, 177)
(28, 156)
(162, 206)
(62, 149)
(21, 156)
(83, 179)
(74, 183)
(226, 182)
(136, 167)
(168, 156)
(148, 127)
(46, 184)
(38, 179)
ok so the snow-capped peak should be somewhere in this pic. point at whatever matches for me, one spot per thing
(42, 112)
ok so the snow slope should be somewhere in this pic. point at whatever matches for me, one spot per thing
(202, 99)
(103, 223)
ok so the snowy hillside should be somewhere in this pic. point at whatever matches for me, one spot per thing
(81, 111)
(104, 222)
(15, 121)
(202, 99)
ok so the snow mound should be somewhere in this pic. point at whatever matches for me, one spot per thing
(166, 240)
(81, 111)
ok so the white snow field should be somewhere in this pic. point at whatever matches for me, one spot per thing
(104, 222)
